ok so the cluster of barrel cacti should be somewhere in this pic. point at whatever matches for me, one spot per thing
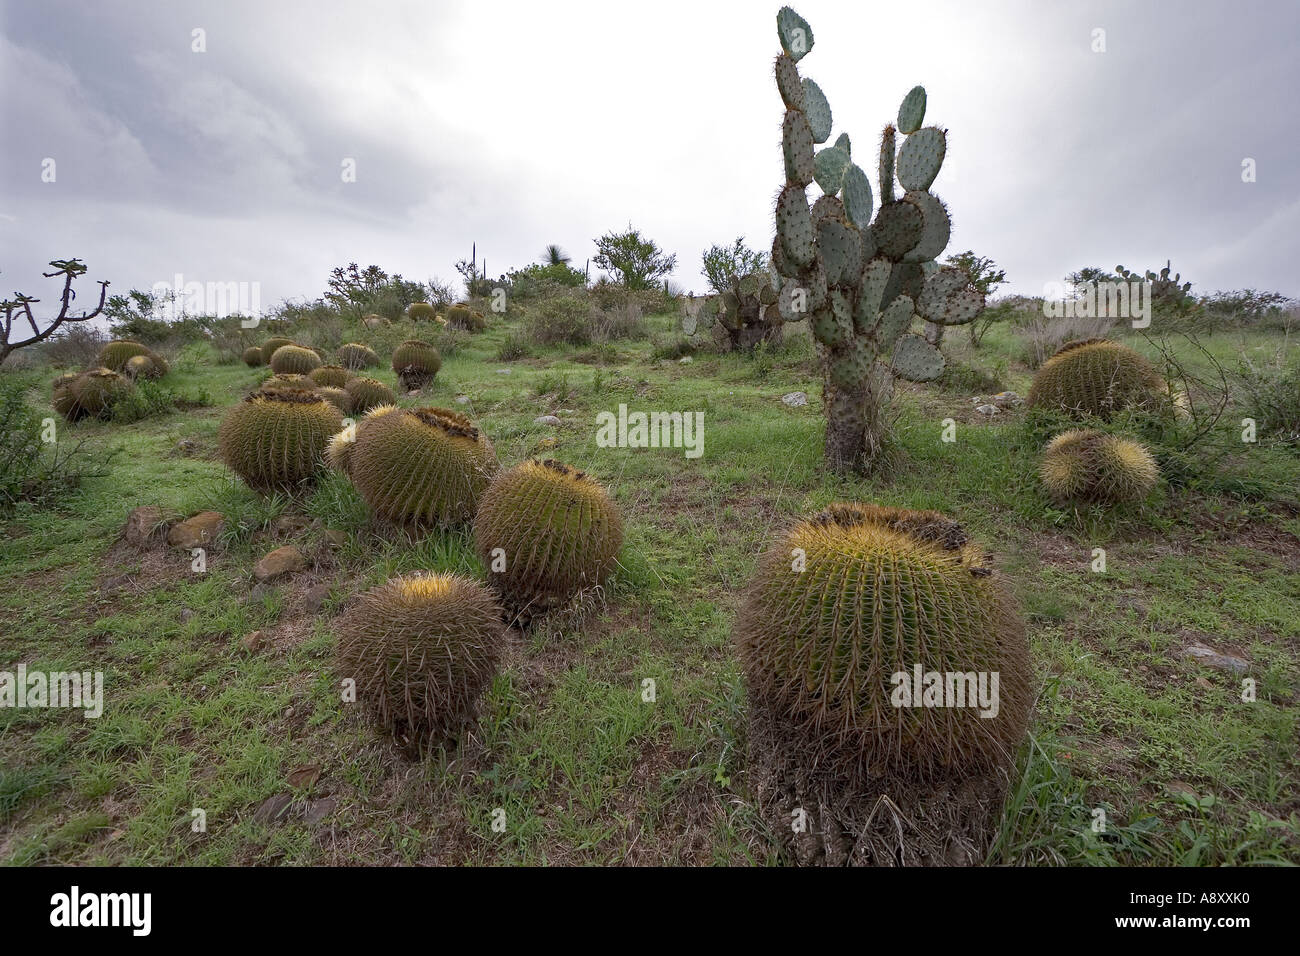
(861, 282)
(132, 360)
(1090, 467)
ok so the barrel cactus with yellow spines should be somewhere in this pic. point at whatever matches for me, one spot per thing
(335, 376)
(114, 355)
(1092, 467)
(355, 356)
(337, 397)
(421, 650)
(421, 312)
(861, 601)
(1097, 378)
(252, 357)
(422, 467)
(270, 345)
(338, 451)
(463, 317)
(276, 437)
(144, 366)
(366, 393)
(416, 363)
(546, 532)
(295, 360)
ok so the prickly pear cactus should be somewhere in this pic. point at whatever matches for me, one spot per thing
(861, 282)
(743, 316)
(1165, 291)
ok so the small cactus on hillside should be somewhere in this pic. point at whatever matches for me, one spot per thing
(294, 360)
(546, 532)
(252, 357)
(354, 356)
(366, 393)
(335, 376)
(416, 363)
(269, 347)
(274, 438)
(89, 394)
(422, 649)
(336, 397)
(1097, 378)
(1165, 291)
(1091, 467)
(423, 467)
(421, 312)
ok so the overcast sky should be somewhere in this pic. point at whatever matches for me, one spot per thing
(517, 124)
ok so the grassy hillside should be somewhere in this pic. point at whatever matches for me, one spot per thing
(585, 770)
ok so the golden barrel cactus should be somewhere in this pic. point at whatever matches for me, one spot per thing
(423, 466)
(421, 649)
(546, 532)
(276, 437)
(1089, 466)
(1097, 378)
(860, 629)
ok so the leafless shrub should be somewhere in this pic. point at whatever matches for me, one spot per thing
(1042, 336)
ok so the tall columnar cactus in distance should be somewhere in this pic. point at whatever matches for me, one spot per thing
(861, 283)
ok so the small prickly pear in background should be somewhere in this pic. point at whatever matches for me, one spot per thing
(416, 363)
(421, 649)
(422, 467)
(335, 376)
(1165, 291)
(274, 438)
(872, 593)
(1097, 378)
(269, 347)
(366, 393)
(354, 356)
(546, 532)
(252, 357)
(294, 360)
(861, 283)
(1090, 467)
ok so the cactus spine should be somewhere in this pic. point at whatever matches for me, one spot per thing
(861, 283)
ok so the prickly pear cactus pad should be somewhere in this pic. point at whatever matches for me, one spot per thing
(546, 532)
(1087, 466)
(848, 608)
(423, 467)
(861, 282)
(276, 437)
(421, 649)
(1097, 378)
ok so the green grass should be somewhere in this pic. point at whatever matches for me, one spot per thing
(576, 765)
